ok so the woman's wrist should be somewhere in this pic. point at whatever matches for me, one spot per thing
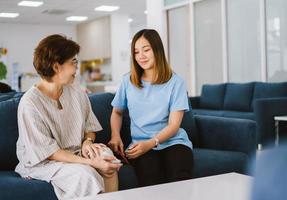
(87, 142)
(151, 143)
(115, 134)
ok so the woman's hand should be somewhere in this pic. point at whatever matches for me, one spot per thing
(116, 144)
(89, 149)
(104, 165)
(138, 149)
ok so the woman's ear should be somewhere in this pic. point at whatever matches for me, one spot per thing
(56, 67)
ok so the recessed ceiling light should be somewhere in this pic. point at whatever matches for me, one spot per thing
(9, 15)
(77, 18)
(30, 3)
(107, 8)
(130, 20)
(145, 12)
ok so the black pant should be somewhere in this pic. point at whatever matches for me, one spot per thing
(161, 166)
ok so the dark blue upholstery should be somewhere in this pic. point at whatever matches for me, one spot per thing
(12, 186)
(240, 101)
(270, 177)
(212, 96)
(225, 113)
(195, 102)
(216, 113)
(269, 90)
(238, 96)
(265, 110)
(102, 109)
(227, 134)
(219, 147)
(238, 114)
(8, 133)
(209, 162)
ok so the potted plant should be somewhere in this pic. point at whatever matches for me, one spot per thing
(3, 70)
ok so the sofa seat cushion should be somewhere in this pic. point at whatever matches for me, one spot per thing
(218, 113)
(238, 114)
(13, 187)
(208, 162)
(238, 96)
(212, 96)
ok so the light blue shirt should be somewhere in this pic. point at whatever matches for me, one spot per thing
(149, 108)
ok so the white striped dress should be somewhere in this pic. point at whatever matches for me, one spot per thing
(44, 129)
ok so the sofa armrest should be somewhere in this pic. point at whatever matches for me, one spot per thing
(194, 101)
(229, 134)
(265, 109)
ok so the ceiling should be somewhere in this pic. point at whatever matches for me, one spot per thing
(65, 8)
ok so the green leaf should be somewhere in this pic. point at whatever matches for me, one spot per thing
(3, 71)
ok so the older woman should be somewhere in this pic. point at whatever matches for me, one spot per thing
(57, 127)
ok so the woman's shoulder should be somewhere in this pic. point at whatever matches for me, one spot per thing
(176, 79)
(126, 77)
(30, 99)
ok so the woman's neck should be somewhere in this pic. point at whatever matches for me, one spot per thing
(51, 89)
(148, 75)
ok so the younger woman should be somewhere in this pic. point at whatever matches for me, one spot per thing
(156, 99)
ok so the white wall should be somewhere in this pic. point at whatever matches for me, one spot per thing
(120, 31)
(156, 19)
(21, 40)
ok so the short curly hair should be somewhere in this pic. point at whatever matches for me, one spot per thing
(53, 49)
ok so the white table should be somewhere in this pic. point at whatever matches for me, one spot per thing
(278, 119)
(231, 186)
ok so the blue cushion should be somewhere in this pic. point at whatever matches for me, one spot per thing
(8, 134)
(188, 124)
(13, 187)
(238, 114)
(238, 96)
(101, 106)
(229, 134)
(268, 90)
(212, 96)
(4, 97)
(209, 162)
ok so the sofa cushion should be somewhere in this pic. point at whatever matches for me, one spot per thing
(4, 97)
(13, 187)
(8, 133)
(238, 114)
(269, 90)
(101, 106)
(212, 96)
(209, 162)
(189, 125)
(238, 96)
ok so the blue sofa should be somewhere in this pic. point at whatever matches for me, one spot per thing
(255, 101)
(221, 145)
